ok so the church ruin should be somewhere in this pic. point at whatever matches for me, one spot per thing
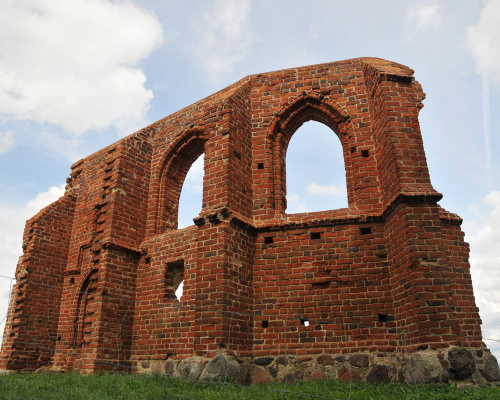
(386, 280)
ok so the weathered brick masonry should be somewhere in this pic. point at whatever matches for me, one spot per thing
(390, 272)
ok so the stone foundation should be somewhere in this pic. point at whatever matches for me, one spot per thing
(454, 365)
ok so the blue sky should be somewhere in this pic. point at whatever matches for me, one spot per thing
(77, 75)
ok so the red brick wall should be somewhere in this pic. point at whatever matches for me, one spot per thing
(31, 326)
(160, 327)
(341, 278)
(391, 265)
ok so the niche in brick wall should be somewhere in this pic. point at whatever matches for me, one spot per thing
(315, 170)
(174, 280)
(191, 198)
(86, 308)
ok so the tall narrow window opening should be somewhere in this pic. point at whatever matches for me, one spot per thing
(182, 158)
(315, 170)
(174, 279)
(190, 201)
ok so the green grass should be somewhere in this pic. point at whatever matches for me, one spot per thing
(73, 386)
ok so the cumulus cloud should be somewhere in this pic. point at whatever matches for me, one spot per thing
(6, 141)
(43, 199)
(75, 63)
(484, 237)
(223, 37)
(12, 220)
(426, 15)
(326, 190)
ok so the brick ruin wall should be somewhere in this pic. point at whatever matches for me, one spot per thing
(385, 277)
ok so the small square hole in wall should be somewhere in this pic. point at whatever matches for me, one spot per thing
(260, 165)
(365, 153)
(365, 231)
(268, 240)
(265, 324)
(315, 235)
(382, 318)
(304, 321)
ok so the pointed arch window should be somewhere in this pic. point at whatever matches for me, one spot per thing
(303, 110)
(315, 171)
(185, 159)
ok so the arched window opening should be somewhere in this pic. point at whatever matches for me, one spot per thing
(191, 198)
(182, 158)
(315, 170)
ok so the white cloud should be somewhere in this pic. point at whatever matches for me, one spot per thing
(223, 37)
(483, 40)
(426, 15)
(12, 221)
(194, 178)
(6, 141)
(326, 190)
(74, 63)
(68, 147)
(43, 199)
(484, 237)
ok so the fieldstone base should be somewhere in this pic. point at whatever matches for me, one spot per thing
(6, 372)
(453, 365)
